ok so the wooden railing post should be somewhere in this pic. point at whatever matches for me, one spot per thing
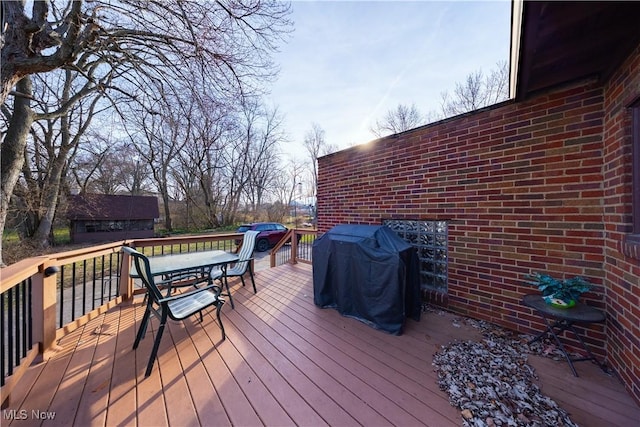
(44, 285)
(126, 282)
(294, 247)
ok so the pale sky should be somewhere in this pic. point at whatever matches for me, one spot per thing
(348, 62)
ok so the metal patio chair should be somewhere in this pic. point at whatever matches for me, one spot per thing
(240, 268)
(177, 307)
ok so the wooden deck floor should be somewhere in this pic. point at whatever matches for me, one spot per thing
(285, 362)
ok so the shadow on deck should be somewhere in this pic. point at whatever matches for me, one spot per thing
(285, 362)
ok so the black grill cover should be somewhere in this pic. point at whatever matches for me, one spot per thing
(369, 273)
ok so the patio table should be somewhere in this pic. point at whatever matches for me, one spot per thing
(563, 319)
(168, 265)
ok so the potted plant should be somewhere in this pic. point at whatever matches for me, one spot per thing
(559, 293)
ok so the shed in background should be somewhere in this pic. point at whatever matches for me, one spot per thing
(108, 218)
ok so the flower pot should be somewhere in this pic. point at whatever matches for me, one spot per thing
(558, 302)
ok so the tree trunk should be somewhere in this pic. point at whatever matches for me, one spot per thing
(49, 201)
(15, 41)
(12, 151)
(167, 212)
(25, 38)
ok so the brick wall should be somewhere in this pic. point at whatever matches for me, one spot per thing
(522, 187)
(622, 272)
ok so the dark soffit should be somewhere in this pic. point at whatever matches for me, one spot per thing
(562, 42)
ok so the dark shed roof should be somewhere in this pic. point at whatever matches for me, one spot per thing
(112, 207)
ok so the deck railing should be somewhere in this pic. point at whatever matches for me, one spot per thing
(298, 249)
(43, 298)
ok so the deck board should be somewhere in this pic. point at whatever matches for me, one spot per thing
(151, 403)
(352, 355)
(319, 365)
(284, 362)
(174, 384)
(263, 356)
(122, 392)
(613, 405)
(299, 371)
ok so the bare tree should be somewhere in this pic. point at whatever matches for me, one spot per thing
(296, 174)
(199, 164)
(283, 189)
(12, 155)
(316, 145)
(108, 167)
(397, 120)
(60, 109)
(24, 39)
(228, 38)
(477, 91)
(230, 159)
(226, 44)
(210, 162)
(56, 130)
(252, 157)
(265, 155)
(86, 171)
(163, 134)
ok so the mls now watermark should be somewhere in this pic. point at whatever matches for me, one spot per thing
(23, 414)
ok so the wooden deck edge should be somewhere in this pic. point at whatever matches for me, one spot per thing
(83, 320)
(13, 380)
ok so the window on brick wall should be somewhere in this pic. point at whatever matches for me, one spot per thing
(430, 239)
(632, 241)
(635, 135)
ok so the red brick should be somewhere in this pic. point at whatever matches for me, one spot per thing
(540, 185)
